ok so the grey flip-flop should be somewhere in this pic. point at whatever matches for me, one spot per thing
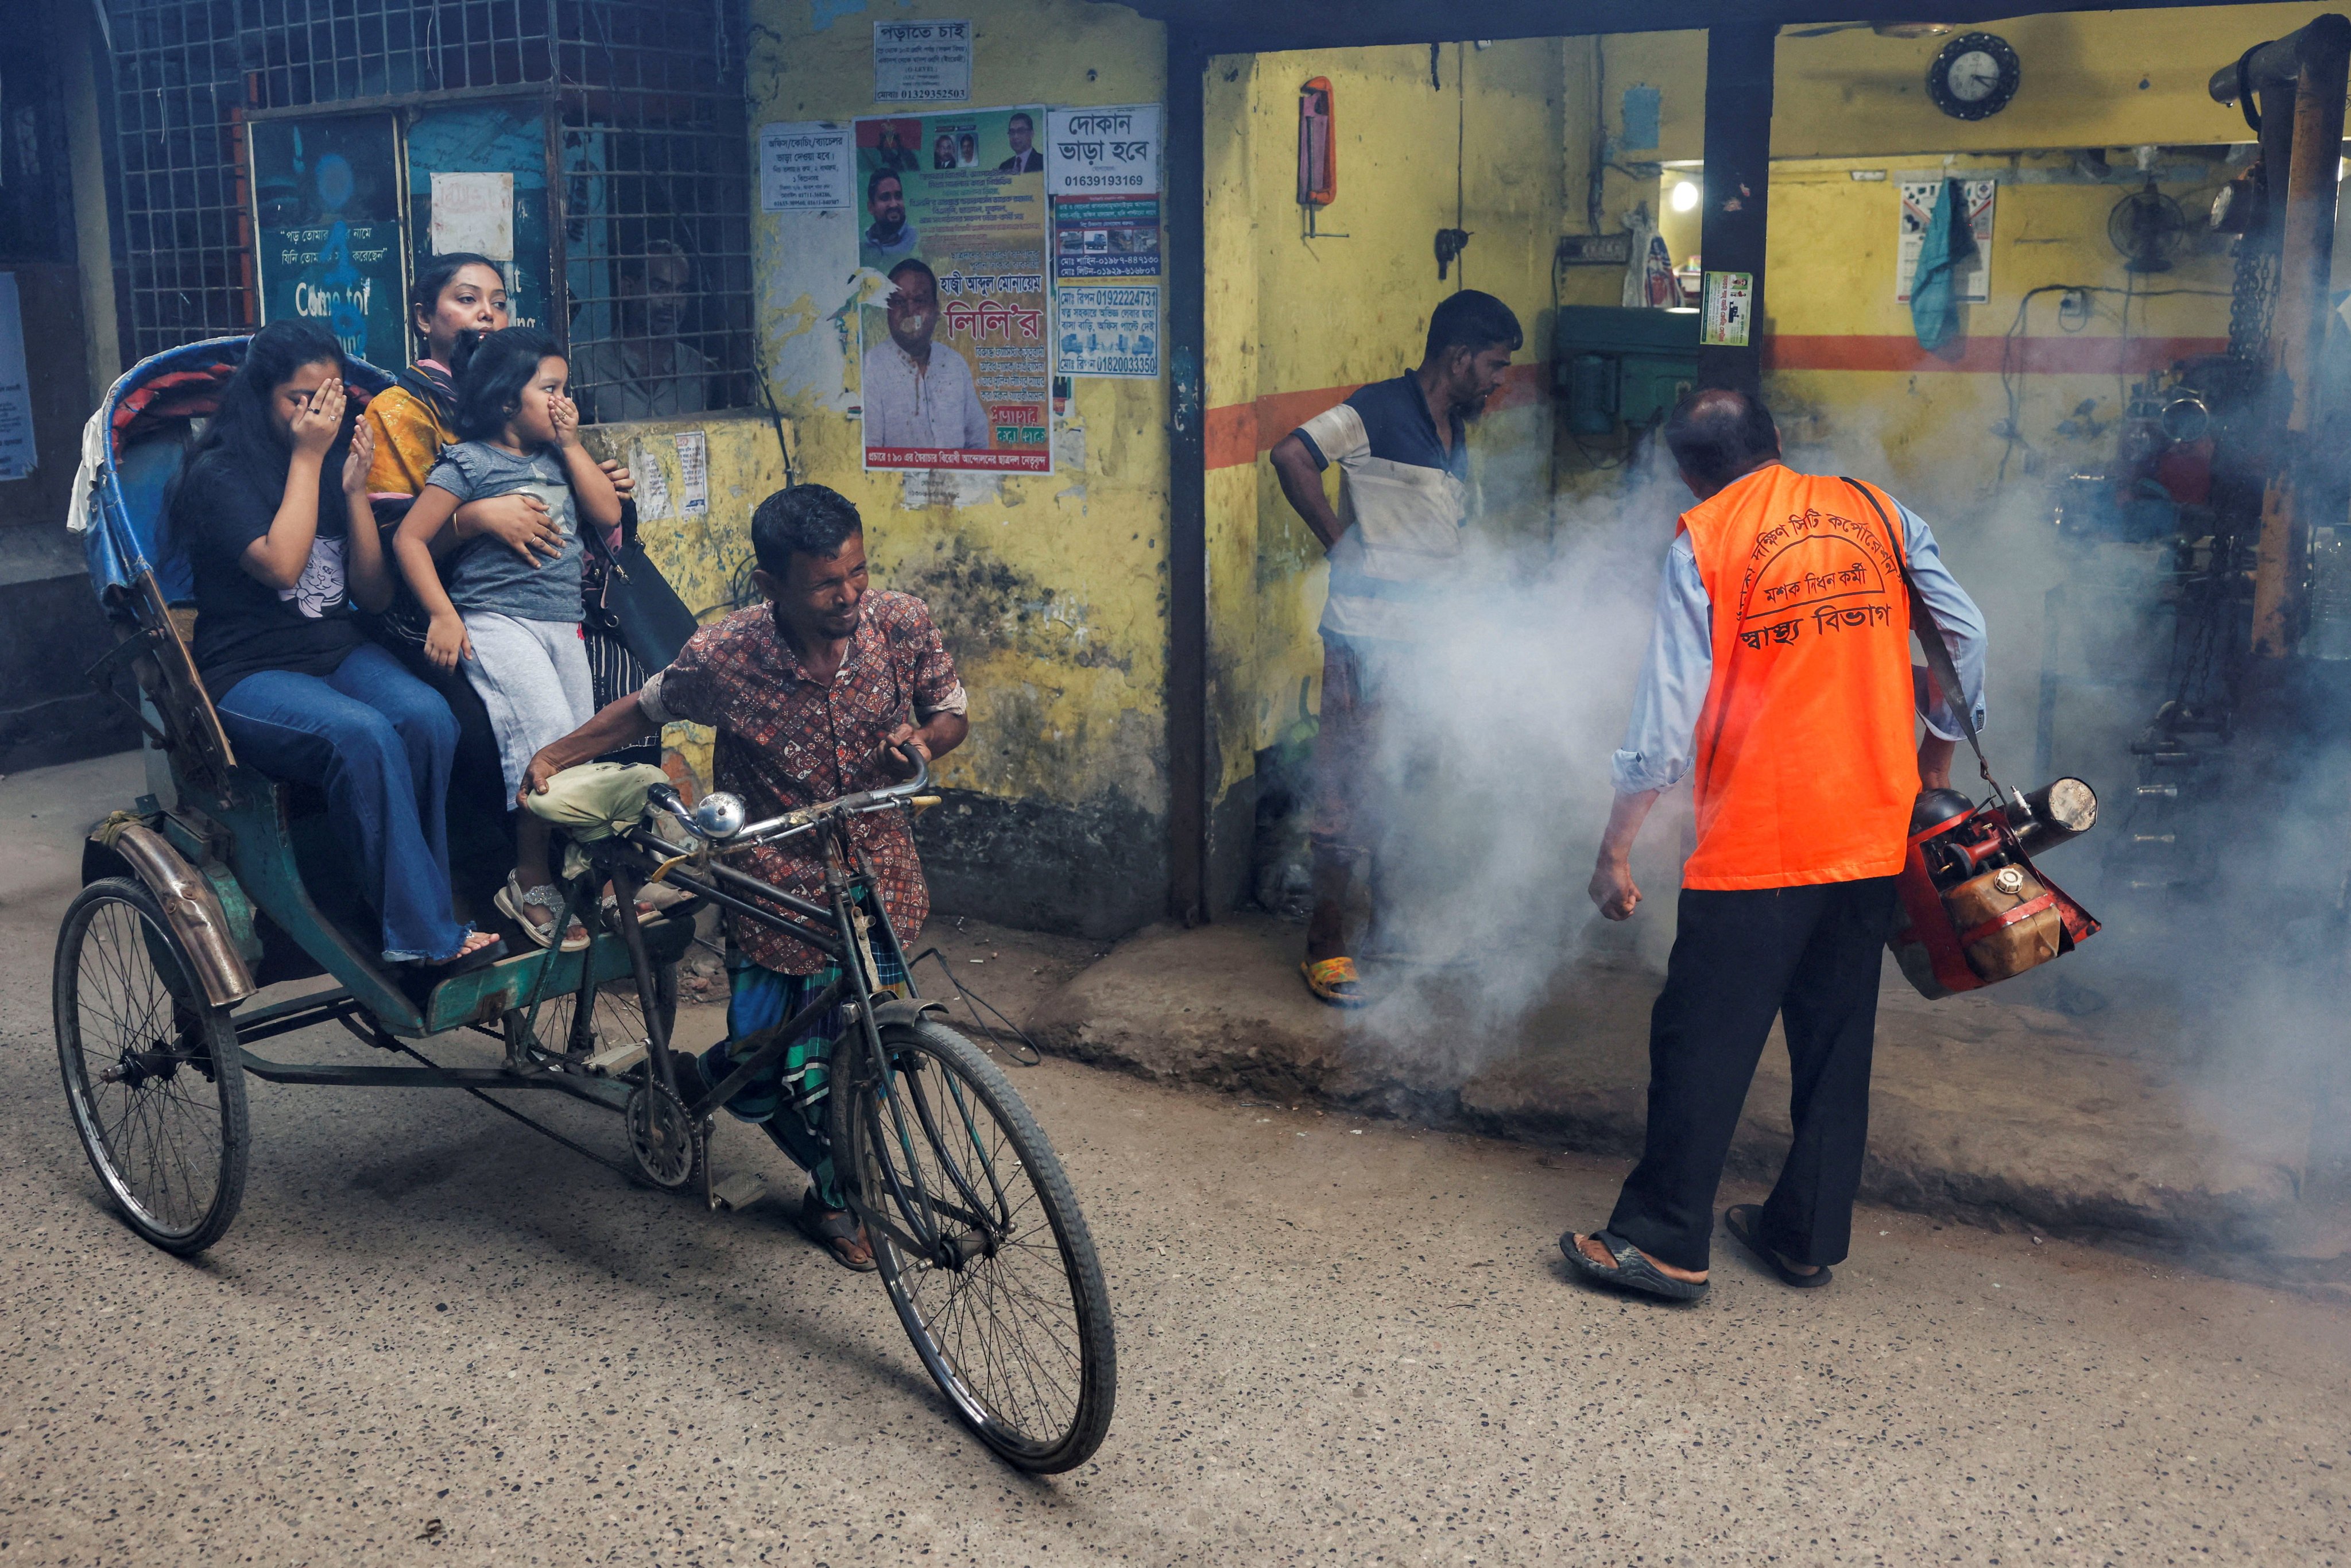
(1633, 1271)
(829, 1228)
(1745, 1223)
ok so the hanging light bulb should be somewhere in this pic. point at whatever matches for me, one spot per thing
(1685, 196)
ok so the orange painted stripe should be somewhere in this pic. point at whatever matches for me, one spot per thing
(2057, 355)
(1239, 433)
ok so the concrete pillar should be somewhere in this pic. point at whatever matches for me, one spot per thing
(81, 51)
(1738, 191)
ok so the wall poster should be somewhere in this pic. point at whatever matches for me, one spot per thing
(17, 458)
(805, 167)
(1729, 309)
(488, 162)
(1102, 170)
(954, 371)
(922, 62)
(325, 196)
(1920, 194)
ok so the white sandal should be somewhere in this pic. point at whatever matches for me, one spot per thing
(512, 900)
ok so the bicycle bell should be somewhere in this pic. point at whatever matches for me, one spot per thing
(719, 815)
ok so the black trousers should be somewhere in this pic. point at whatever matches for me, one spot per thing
(1809, 956)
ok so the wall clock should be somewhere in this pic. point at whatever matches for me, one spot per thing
(1974, 76)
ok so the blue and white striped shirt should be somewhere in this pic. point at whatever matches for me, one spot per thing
(1404, 496)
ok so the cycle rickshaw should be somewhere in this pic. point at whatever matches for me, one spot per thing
(193, 904)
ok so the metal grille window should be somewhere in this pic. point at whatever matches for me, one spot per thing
(265, 145)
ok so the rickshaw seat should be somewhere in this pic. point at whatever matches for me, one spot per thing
(146, 472)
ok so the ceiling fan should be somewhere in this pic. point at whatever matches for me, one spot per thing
(1882, 29)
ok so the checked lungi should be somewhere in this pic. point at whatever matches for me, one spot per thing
(787, 1096)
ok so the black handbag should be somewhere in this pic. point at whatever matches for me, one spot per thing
(626, 598)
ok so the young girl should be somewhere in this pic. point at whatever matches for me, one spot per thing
(514, 627)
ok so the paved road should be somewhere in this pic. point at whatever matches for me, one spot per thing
(433, 1337)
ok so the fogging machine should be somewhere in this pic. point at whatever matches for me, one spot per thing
(1973, 908)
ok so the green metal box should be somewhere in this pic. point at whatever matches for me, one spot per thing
(1618, 366)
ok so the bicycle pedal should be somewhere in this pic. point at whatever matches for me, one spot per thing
(616, 1058)
(738, 1191)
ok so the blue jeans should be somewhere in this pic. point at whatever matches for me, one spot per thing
(379, 741)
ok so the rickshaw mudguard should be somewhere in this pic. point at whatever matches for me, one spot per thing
(908, 1010)
(191, 907)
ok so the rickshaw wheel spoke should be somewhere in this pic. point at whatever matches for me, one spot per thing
(561, 1027)
(1011, 1319)
(152, 1072)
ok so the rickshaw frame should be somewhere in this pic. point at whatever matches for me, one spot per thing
(934, 1148)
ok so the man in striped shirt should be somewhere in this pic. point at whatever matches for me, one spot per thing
(1402, 498)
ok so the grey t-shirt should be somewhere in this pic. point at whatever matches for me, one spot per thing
(485, 574)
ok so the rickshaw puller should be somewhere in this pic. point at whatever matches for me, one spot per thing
(811, 694)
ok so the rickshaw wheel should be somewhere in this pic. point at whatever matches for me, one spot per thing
(663, 1142)
(617, 1016)
(153, 1074)
(1009, 1316)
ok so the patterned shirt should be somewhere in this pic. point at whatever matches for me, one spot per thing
(786, 741)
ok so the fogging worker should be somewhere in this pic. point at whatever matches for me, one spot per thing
(1393, 540)
(1780, 671)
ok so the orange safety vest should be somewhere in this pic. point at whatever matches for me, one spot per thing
(1805, 768)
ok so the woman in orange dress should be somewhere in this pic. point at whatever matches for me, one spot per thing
(455, 298)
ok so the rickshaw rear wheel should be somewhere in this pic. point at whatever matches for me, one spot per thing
(154, 1075)
(617, 1016)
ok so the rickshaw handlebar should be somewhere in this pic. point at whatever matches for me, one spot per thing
(791, 824)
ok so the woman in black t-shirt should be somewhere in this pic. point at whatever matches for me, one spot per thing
(265, 511)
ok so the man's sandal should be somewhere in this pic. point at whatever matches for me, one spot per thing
(1745, 1223)
(512, 900)
(1632, 1271)
(837, 1231)
(1335, 981)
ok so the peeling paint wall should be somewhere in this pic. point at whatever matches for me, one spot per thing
(704, 557)
(1051, 590)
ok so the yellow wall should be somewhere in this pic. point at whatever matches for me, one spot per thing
(1291, 315)
(1855, 93)
(1051, 590)
(1832, 269)
(1852, 101)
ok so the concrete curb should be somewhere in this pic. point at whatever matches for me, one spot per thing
(1997, 1112)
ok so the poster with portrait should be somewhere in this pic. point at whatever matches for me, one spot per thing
(954, 243)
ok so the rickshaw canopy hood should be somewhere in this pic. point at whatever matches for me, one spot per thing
(131, 450)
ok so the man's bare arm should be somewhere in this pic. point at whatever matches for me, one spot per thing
(620, 722)
(1612, 888)
(1301, 482)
